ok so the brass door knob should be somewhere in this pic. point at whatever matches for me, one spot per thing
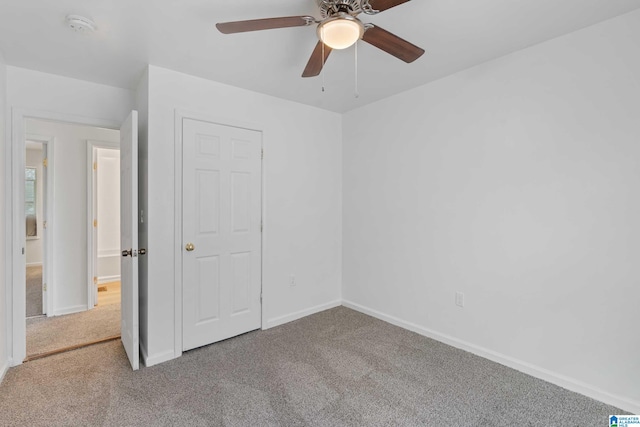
(189, 247)
(126, 253)
(142, 251)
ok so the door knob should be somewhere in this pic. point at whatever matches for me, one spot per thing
(142, 251)
(126, 253)
(189, 247)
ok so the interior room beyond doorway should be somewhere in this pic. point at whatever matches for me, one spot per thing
(78, 273)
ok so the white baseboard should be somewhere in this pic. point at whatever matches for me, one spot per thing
(108, 279)
(300, 314)
(156, 359)
(70, 310)
(3, 369)
(34, 264)
(527, 368)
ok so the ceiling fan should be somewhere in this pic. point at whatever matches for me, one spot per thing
(339, 28)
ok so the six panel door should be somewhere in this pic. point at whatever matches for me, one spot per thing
(221, 216)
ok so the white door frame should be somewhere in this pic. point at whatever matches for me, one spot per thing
(180, 116)
(92, 214)
(15, 226)
(47, 213)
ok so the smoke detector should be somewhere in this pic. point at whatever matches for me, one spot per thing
(80, 24)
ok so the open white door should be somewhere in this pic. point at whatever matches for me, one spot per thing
(129, 237)
(93, 229)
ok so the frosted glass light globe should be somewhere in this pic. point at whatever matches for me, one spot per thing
(340, 32)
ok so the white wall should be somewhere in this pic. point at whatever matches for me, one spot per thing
(302, 199)
(516, 183)
(69, 260)
(37, 91)
(33, 249)
(108, 197)
(5, 303)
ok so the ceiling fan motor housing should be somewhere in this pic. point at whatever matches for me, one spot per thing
(330, 8)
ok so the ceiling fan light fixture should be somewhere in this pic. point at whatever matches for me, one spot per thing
(340, 32)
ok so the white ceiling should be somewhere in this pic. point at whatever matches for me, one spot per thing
(180, 35)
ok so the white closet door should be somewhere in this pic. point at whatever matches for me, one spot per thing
(221, 213)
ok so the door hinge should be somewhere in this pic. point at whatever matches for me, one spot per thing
(44, 287)
(44, 224)
(95, 166)
(95, 222)
(261, 226)
(260, 297)
(45, 162)
(95, 280)
(262, 153)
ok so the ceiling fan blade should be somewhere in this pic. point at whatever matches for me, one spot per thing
(264, 24)
(385, 4)
(314, 66)
(392, 44)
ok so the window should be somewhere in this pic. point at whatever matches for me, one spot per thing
(30, 201)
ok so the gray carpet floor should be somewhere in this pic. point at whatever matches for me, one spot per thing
(335, 368)
(34, 291)
(53, 333)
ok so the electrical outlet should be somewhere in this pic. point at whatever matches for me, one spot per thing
(292, 280)
(459, 299)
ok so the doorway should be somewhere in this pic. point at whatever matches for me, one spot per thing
(73, 314)
(16, 328)
(103, 222)
(35, 208)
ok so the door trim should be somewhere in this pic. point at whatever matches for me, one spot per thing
(15, 272)
(179, 116)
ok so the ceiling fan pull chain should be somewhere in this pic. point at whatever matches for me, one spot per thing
(355, 46)
(322, 70)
